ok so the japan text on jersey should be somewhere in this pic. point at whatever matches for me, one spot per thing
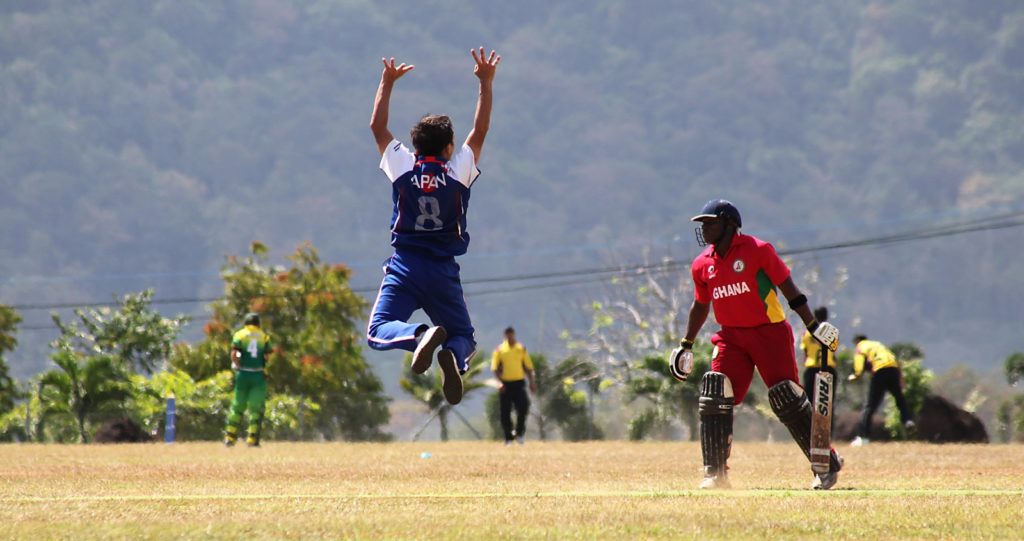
(431, 198)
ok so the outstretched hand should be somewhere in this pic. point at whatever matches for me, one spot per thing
(392, 72)
(486, 66)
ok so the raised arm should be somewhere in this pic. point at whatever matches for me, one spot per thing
(484, 70)
(381, 104)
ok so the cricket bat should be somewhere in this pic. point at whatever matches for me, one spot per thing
(821, 416)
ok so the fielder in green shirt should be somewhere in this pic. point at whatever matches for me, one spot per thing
(249, 348)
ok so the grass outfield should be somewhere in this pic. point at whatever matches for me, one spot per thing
(484, 490)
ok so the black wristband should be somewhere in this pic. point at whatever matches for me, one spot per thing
(798, 301)
(813, 325)
(686, 344)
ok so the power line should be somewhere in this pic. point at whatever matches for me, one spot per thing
(598, 274)
(469, 294)
(549, 250)
(611, 270)
(1005, 221)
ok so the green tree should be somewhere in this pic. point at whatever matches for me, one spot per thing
(1013, 367)
(81, 388)
(314, 320)
(907, 351)
(849, 394)
(202, 406)
(426, 388)
(667, 400)
(569, 406)
(1010, 415)
(13, 426)
(917, 381)
(134, 334)
(9, 320)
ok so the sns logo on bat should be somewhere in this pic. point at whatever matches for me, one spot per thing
(822, 400)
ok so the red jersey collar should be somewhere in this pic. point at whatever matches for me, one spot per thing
(431, 159)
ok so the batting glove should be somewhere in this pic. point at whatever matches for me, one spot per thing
(680, 361)
(826, 333)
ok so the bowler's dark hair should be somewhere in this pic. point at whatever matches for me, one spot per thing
(509, 330)
(431, 134)
(821, 313)
(858, 337)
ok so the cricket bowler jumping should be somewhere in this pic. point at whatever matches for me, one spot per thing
(249, 348)
(430, 193)
(741, 276)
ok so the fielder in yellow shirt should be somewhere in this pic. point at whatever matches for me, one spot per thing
(885, 377)
(812, 349)
(512, 366)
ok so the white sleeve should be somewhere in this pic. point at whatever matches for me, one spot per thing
(397, 160)
(463, 166)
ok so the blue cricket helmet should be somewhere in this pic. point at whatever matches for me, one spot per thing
(719, 208)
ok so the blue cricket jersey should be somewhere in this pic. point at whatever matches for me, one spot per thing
(431, 198)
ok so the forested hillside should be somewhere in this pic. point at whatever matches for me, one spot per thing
(141, 142)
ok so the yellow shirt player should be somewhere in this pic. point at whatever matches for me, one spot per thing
(812, 361)
(873, 356)
(513, 368)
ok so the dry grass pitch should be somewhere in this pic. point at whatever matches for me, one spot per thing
(484, 490)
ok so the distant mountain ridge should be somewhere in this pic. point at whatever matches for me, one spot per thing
(151, 139)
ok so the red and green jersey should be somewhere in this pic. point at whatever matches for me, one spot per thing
(253, 344)
(741, 286)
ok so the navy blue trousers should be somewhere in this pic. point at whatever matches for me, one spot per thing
(413, 281)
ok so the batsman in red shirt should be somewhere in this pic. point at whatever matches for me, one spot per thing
(741, 277)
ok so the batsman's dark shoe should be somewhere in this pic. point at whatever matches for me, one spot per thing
(713, 482)
(429, 341)
(229, 443)
(825, 481)
(451, 381)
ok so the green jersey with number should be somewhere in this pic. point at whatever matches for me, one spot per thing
(253, 344)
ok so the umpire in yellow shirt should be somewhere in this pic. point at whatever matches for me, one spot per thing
(513, 368)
